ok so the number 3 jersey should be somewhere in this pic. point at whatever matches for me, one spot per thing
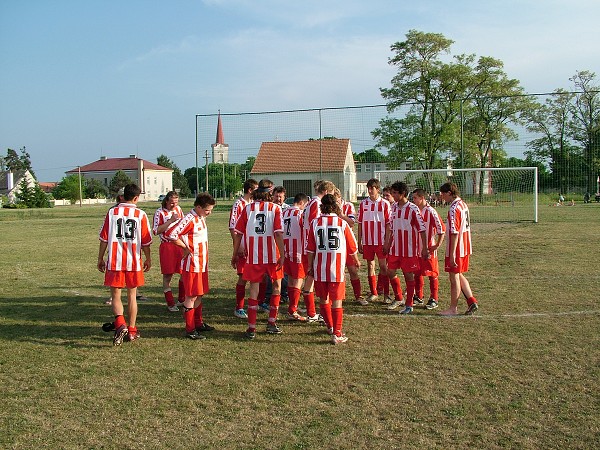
(332, 241)
(258, 224)
(126, 229)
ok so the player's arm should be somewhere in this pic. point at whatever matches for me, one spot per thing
(147, 258)
(101, 252)
(387, 240)
(167, 224)
(237, 239)
(424, 247)
(280, 246)
(360, 247)
(452, 253)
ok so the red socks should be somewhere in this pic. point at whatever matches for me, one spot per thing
(396, 287)
(356, 287)
(188, 316)
(434, 287)
(373, 284)
(262, 290)
(294, 297)
(240, 292)
(198, 316)
(325, 311)
(382, 283)
(419, 286)
(180, 292)
(470, 301)
(252, 311)
(274, 308)
(119, 321)
(410, 292)
(338, 317)
(169, 298)
(309, 301)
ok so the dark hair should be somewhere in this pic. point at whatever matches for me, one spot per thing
(249, 184)
(385, 189)
(131, 191)
(278, 190)
(168, 197)
(204, 199)
(300, 198)
(450, 187)
(420, 192)
(374, 182)
(400, 187)
(264, 191)
(330, 205)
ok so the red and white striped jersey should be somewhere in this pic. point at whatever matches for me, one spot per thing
(433, 225)
(258, 224)
(236, 210)
(193, 233)
(406, 223)
(373, 217)
(312, 210)
(332, 241)
(458, 222)
(161, 216)
(126, 229)
(292, 233)
(348, 210)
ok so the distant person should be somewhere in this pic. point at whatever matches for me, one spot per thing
(586, 197)
(458, 250)
(126, 234)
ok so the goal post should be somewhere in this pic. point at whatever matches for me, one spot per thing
(499, 194)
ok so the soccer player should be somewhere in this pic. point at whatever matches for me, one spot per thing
(261, 229)
(279, 199)
(348, 213)
(383, 283)
(191, 235)
(435, 229)
(458, 249)
(170, 254)
(311, 212)
(403, 232)
(330, 243)
(292, 266)
(249, 187)
(373, 215)
(125, 233)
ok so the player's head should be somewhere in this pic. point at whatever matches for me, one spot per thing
(119, 196)
(131, 191)
(279, 195)
(330, 205)
(325, 187)
(264, 192)
(450, 188)
(171, 200)
(249, 185)
(204, 203)
(373, 188)
(419, 197)
(385, 193)
(300, 200)
(316, 185)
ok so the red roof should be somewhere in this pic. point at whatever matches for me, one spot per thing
(302, 156)
(114, 164)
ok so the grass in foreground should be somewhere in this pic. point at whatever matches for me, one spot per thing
(522, 373)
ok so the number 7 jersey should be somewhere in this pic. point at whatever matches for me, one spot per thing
(126, 229)
(332, 241)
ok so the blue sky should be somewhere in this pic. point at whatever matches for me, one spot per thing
(85, 78)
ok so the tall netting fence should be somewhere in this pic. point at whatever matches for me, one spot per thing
(548, 131)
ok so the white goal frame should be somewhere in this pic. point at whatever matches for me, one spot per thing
(387, 177)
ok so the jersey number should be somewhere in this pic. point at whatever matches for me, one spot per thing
(287, 223)
(126, 229)
(260, 228)
(332, 238)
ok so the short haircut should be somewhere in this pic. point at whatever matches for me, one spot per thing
(316, 184)
(330, 205)
(400, 187)
(299, 198)
(264, 191)
(168, 197)
(374, 182)
(450, 187)
(325, 186)
(250, 184)
(131, 191)
(385, 189)
(204, 199)
(420, 192)
(278, 190)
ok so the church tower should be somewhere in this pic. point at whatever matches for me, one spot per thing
(220, 150)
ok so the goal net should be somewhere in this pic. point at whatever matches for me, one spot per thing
(507, 194)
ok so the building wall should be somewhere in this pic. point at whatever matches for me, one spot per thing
(153, 184)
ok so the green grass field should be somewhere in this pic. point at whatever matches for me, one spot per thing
(522, 373)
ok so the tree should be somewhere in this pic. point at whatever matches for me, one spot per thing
(94, 188)
(14, 162)
(32, 197)
(369, 156)
(118, 181)
(67, 188)
(180, 182)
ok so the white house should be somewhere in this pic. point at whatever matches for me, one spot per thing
(10, 183)
(153, 179)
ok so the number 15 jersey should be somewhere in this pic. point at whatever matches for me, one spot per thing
(126, 229)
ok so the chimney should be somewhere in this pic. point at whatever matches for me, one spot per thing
(141, 175)
(132, 156)
(103, 158)
(10, 183)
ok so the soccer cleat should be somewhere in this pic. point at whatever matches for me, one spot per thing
(407, 310)
(394, 305)
(315, 318)
(108, 302)
(417, 301)
(388, 300)
(296, 316)
(335, 340)
(263, 307)
(330, 331)
(274, 329)
(240, 313)
(173, 308)
(471, 309)
(204, 327)
(194, 335)
(108, 326)
(372, 298)
(132, 336)
(431, 304)
(362, 301)
(180, 303)
(141, 298)
(250, 333)
(120, 334)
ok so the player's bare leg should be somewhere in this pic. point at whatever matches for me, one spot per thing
(455, 292)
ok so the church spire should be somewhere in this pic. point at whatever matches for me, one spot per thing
(220, 138)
